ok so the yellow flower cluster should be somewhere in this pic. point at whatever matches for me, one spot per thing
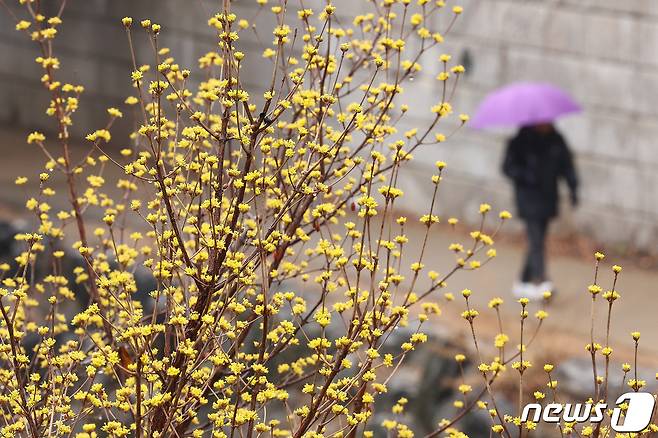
(252, 267)
(252, 225)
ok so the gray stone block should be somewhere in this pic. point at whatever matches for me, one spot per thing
(563, 30)
(607, 136)
(523, 22)
(611, 37)
(608, 85)
(647, 35)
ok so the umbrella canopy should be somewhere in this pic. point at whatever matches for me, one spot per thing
(523, 103)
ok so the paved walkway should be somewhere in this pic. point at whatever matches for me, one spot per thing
(567, 329)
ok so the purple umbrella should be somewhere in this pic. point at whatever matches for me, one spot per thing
(523, 103)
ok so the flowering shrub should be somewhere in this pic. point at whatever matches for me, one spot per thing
(267, 227)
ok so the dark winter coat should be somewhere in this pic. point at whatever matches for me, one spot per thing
(535, 162)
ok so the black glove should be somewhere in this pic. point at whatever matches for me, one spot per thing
(574, 199)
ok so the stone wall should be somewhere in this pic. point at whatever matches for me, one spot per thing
(93, 48)
(605, 52)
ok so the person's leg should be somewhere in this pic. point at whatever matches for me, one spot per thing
(534, 270)
(525, 273)
(540, 272)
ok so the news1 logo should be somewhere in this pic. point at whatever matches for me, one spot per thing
(636, 418)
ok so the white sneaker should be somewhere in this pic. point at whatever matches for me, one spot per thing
(546, 286)
(527, 290)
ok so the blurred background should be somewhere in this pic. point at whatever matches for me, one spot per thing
(603, 52)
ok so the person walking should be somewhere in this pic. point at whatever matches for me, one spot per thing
(537, 158)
